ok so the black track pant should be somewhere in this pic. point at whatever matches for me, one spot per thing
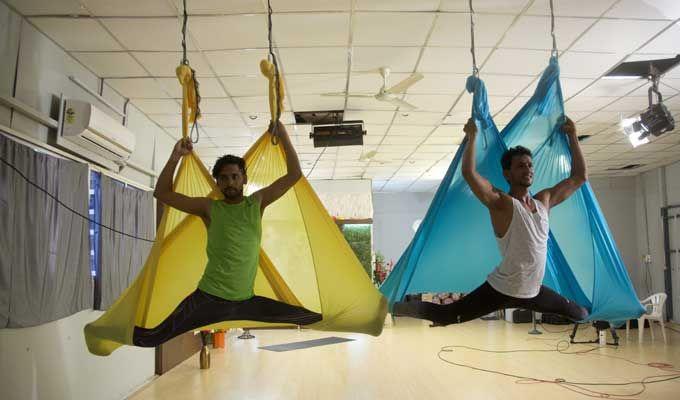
(201, 309)
(484, 300)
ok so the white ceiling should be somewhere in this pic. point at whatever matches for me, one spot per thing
(331, 45)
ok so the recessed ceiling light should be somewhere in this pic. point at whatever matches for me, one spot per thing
(404, 114)
(252, 117)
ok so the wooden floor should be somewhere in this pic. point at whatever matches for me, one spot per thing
(403, 364)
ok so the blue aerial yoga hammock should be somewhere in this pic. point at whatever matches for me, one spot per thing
(455, 247)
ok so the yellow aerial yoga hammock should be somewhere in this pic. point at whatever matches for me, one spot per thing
(304, 259)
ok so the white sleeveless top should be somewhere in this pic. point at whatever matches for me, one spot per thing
(524, 249)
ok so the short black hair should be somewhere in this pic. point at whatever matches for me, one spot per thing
(226, 160)
(506, 160)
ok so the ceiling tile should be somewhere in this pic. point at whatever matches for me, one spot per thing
(111, 65)
(533, 32)
(657, 9)
(367, 103)
(431, 157)
(428, 185)
(666, 42)
(221, 132)
(396, 29)
(603, 138)
(618, 36)
(454, 30)
(167, 120)
(448, 148)
(246, 85)
(505, 85)
(217, 106)
(235, 62)
(314, 60)
(315, 102)
(158, 106)
(370, 82)
(222, 121)
(515, 61)
(138, 87)
(208, 87)
(583, 103)
(225, 7)
(148, 34)
(52, 7)
(164, 64)
(571, 8)
(261, 120)
(398, 59)
(515, 105)
(419, 131)
(447, 131)
(438, 83)
(299, 84)
(498, 102)
(610, 117)
(445, 140)
(599, 156)
(245, 31)
(371, 117)
(252, 104)
(628, 104)
(77, 34)
(612, 87)
(587, 65)
(397, 5)
(418, 118)
(372, 140)
(310, 5)
(503, 118)
(571, 86)
(457, 117)
(495, 6)
(451, 59)
(329, 29)
(431, 102)
(131, 8)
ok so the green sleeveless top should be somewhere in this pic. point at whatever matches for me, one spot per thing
(233, 249)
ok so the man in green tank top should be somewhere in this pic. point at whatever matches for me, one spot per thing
(234, 224)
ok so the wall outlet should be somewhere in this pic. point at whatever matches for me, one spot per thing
(648, 258)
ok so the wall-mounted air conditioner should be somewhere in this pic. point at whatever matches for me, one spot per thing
(95, 134)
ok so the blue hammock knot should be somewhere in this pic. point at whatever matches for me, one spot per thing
(471, 83)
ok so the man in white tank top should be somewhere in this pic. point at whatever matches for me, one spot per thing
(520, 223)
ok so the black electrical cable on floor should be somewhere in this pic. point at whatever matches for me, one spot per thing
(15, 169)
(577, 387)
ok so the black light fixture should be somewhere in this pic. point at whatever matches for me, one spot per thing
(655, 120)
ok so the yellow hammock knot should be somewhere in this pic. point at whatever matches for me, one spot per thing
(189, 97)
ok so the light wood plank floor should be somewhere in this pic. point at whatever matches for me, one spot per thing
(403, 364)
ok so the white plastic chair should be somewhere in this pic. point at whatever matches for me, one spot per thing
(657, 302)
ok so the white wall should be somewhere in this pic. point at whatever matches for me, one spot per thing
(617, 200)
(656, 189)
(393, 217)
(42, 76)
(51, 361)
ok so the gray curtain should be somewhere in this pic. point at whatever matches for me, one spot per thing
(127, 210)
(44, 247)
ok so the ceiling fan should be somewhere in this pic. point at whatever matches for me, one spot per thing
(388, 95)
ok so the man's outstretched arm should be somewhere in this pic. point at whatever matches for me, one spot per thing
(480, 186)
(579, 175)
(293, 171)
